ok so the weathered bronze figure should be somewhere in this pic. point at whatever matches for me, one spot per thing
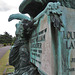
(34, 7)
(19, 56)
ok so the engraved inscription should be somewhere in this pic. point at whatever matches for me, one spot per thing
(36, 46)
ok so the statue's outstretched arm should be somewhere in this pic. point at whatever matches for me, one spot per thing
(18, 17)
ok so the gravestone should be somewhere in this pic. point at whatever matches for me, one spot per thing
(68, 41)
(40, 47)
(51, 50)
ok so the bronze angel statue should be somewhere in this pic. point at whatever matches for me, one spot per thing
(19, 56)
(34, 7)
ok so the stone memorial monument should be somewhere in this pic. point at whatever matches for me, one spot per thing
(45, 42)
(67, 41)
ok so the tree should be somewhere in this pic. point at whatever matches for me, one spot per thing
(6, 38)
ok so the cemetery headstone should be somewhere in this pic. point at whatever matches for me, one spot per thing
(68, 41)
(51, 50)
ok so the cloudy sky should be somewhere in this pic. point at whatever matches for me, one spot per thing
(8, 7)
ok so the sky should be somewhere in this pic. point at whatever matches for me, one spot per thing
(8, 7)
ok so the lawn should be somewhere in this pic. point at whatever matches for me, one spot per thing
(4, 63)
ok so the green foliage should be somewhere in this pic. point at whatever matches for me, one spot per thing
(6, 38)
(12, 43)
(4, 44)
(13, 39)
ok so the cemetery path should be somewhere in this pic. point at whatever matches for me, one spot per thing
(3, 50)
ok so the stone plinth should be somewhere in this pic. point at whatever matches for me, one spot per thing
(41, 50)
(68, 41)
(51, 50)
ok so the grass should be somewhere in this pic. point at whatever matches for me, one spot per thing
(3, 61)
(9, 70)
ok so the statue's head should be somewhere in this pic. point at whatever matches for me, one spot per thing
(19, 30)
(20, 27)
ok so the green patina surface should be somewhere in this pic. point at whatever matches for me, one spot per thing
(28, 27)
(19, 53)
(33, 6)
